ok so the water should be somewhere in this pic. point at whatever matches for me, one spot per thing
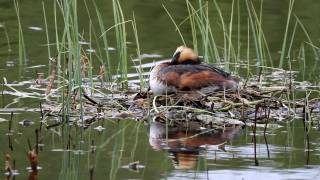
(212, 155)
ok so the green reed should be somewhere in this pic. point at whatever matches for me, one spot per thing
(226, 27)
(121, 40)
(230, 33)
(206, 32)
(262, 42)
(192, 26)
(224, 30)
(302, 60)
(139, 70)
(310, 41)
(69, 60)
(117, 154)
(22, 47)
(3, 25)
(175, 24)
(136, 136)
(291, 41)
(46, 29)
(90, 72)
(69, 70)
(106, 55)
(284, 43)
(255, 36)
(200, 24)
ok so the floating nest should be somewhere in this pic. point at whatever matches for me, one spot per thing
(273, 102)
(250, 106)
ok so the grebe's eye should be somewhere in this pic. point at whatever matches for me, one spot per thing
(175, 58)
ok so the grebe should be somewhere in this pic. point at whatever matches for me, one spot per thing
(185, 72)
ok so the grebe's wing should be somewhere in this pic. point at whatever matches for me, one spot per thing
(181, 69)
(216, 69)
(191, 77)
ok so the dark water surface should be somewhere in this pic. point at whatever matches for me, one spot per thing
(213, 155)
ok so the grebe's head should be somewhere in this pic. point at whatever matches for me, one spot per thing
(185, 55)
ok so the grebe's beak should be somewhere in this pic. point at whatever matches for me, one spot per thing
(175, 58)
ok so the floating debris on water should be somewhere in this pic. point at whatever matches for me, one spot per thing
(26, 122)
(146, 56)
(36, 66)
(31, 170)
(10, 63)
(134, 166)
(3, 120)
(111, 49)
(91, 50)
(35, 28)
(79, 152)
(13, 172)
(84, 43)
(99, 128)
(60, 150)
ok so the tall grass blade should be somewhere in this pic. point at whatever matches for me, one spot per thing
(225, 49)
(46, 28)
(121, 38)
(284, 43)
(109, 72)
(316, 53)
(175, 24)
(3, 25)
(255, 37)
(22, 48)
(143, 84)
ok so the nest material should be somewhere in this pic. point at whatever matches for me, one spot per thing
(249, 106)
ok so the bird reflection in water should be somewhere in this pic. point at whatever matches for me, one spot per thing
(186, 144)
